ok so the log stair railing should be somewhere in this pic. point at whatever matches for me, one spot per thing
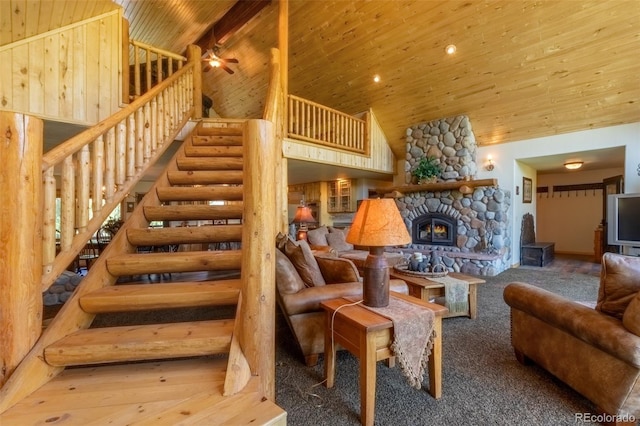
(208, 167)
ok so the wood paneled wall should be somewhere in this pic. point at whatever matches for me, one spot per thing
(70, 74)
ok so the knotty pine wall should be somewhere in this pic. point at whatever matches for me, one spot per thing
(70, 74)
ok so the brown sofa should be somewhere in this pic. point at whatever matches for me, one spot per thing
(595, 351)
(301, 288)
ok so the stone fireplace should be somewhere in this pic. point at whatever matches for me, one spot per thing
(466, 222)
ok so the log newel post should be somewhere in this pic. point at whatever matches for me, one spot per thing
(20, 237)
(258, 253)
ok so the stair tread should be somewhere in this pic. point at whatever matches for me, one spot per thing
(218, 131)
(184, 235)
(141, 342)
(217, 140)
(213, 151)
(158, 263)
(210, 163)
(134, 297)
(205, 177)
(205, 193)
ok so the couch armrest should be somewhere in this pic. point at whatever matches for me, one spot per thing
(308, 299)
(593, 327)
(337, 270)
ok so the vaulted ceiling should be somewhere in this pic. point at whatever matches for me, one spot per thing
(522, 69)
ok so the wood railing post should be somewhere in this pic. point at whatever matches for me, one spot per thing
(20, 238)
(258, 253)
(193, 54)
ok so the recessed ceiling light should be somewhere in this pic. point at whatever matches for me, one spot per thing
(376, 78)
(450, 49)
(573, 165)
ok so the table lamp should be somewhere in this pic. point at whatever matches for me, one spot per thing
(302, 217)
(377, 224)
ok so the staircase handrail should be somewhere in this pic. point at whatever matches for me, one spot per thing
(313, 122)
(113, 154)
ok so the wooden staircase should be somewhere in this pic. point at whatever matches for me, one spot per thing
(208, 167)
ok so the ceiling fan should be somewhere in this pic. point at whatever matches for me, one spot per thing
(213, 60)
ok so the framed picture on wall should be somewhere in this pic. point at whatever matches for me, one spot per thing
(527, 190)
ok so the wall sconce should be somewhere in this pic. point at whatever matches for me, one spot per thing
(489, 165)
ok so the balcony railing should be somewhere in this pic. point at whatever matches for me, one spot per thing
(150, 66)
(312, 122)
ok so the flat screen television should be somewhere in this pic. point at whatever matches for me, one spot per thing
(623, 217)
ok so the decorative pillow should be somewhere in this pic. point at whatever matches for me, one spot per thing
(288, 280)
(305, 263)
(281, 240)
(631, 318)
(318, 236)
(345, 231)
(337, 241)
(619, 283)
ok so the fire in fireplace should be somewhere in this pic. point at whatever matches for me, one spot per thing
(434, 229)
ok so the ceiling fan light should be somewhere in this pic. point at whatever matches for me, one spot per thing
(573, 165)
(214, 62)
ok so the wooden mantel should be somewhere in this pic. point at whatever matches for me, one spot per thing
(464, 186)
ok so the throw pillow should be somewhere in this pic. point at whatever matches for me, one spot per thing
(318, 236)
(299, 253)
(281, 240)
(288, 280)
(337, 240)
(619, 283)
(631, 318)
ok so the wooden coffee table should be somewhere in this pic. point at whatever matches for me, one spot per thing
(368, 336)
(425, 289)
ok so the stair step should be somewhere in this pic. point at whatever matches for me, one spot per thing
(138, 297)
(219, 131)
(210, 163)
(212, 151)
(204, 193)
(141, 342)
(193, 212)
(217, 140)
(204, 177)
(159, 263)
(184, 235)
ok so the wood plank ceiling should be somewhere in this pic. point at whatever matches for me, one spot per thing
(523, 69)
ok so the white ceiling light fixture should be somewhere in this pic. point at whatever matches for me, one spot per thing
(376, 78)
(573, 165)
(450, 49)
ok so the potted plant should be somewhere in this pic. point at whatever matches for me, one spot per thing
(427, 170)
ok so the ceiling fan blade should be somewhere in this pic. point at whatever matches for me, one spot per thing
(232, 60)
(207, 55)
(207, 68)
(226, 68)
